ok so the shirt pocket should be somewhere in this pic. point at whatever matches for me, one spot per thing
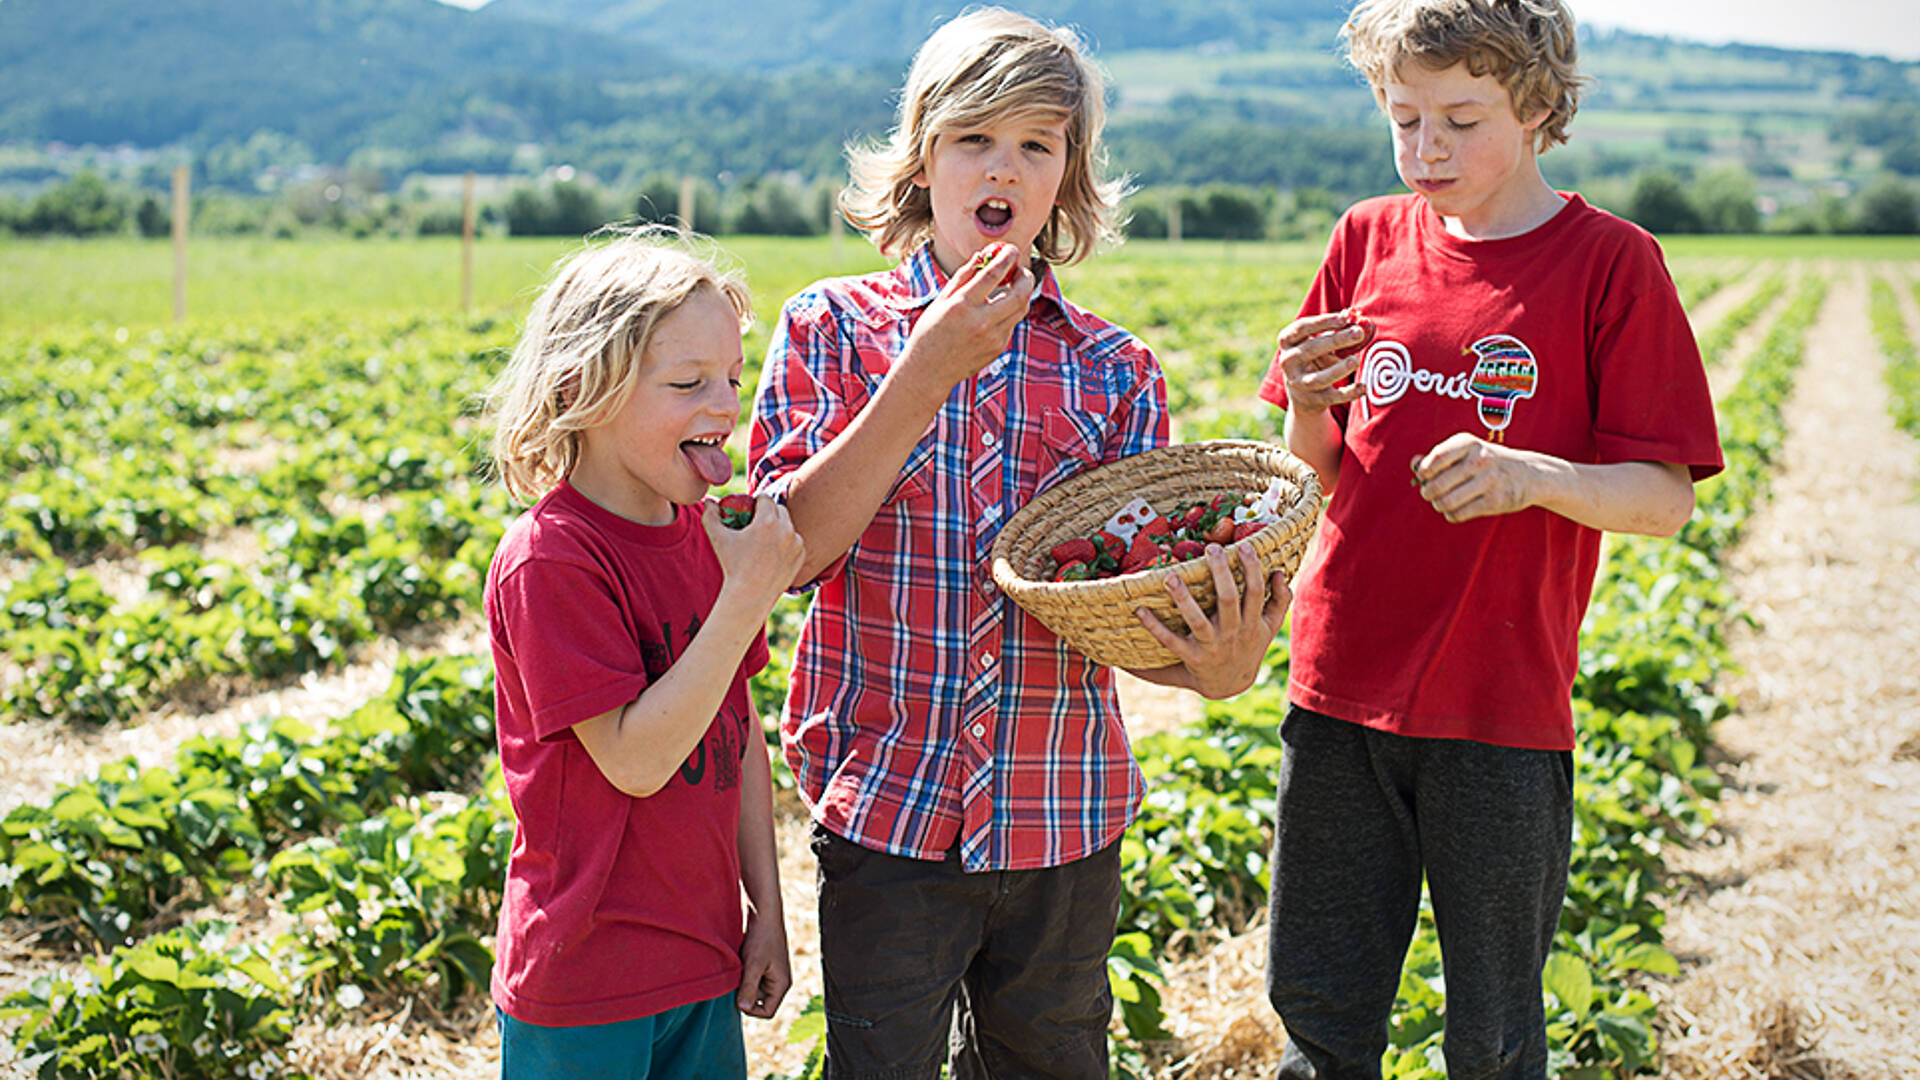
(1070, 444)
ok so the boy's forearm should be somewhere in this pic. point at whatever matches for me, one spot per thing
(1313, 437)
(834, 496)
(759, 855)
(1651, 498)
(640, 745)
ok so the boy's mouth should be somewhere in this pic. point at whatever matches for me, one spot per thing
(708, 456)
(994, 216)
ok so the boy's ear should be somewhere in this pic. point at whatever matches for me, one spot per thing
(1532, 123)
(919, 179)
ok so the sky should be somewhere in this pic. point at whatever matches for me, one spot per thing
(1874, 27)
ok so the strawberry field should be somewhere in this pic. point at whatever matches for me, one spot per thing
(206, 527)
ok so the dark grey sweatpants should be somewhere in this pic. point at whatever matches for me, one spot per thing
(1362, 815)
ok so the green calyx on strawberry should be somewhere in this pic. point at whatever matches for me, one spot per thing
(736, 511)
(1073, 571)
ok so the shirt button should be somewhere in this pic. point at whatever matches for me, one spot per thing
(986, 660)
(979, 731)
(988, 439)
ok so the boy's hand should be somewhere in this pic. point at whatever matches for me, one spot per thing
(970, 322)
(1311, 364)
(766, 973)
(760, 558)
(1467, 477)
(1223, 654)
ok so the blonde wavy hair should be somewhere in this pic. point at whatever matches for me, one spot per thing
(1528, 45)
(581, 349)
(979, 68)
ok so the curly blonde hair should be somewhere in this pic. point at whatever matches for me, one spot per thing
(976, 69)
(1528, 45)
(576, 361)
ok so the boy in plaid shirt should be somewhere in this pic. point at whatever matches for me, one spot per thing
(968, 773)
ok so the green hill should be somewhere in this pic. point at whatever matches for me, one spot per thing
(1245, 91)
(332, 73)
(812, 33)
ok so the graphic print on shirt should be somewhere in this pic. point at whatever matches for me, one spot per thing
(719, 754)
(1504, 372)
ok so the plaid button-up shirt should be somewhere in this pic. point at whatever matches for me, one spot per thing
(925, 706)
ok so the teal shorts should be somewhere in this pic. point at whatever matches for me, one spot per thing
(700, 1041)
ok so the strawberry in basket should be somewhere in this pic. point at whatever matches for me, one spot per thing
(1138, 537)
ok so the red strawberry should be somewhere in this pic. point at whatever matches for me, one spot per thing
(736, 510)
(1189, 549)
(1246, 529)
(1222, 530)
(1073, 571)
(1079, 549)
(1191, 519)
(1109, 544)
(1143, 549)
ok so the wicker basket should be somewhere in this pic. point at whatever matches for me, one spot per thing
(1097, 617)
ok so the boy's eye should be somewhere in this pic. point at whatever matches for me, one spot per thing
(1463, 125)
(1039, 147)
(693, 385)
(972, 137)
(1407, 125)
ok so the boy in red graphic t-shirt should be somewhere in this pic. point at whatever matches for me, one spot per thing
(1486, 374)
(625, 621)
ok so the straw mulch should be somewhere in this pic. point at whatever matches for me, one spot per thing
(1799, 924)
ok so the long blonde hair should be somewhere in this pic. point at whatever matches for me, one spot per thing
(984, 65)
(576, 360)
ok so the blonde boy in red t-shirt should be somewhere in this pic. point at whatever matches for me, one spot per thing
(1486, 374)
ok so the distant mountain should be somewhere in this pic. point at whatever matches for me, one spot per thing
(768, 34)
(1243, 91)
(324, 71)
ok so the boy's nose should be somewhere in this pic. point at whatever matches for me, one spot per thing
(1000, 169)
(1429, 146)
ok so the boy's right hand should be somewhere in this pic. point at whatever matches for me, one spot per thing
(1309, 357)
(971, 321)
(759, 559)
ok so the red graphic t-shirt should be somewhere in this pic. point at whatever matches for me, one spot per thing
(1568, 340)
(615, 907)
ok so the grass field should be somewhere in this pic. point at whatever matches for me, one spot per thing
(123, 282)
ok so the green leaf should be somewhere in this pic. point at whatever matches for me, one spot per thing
(1568, 980)
(1649, 957)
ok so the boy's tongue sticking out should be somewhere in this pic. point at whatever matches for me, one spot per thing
(709, 460)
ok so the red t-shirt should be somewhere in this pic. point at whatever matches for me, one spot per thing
(615, 907)
(1568, 340)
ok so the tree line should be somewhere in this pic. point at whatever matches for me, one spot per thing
(1725, 200)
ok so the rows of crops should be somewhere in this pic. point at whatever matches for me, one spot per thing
(242, 504)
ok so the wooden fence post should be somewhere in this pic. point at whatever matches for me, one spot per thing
(180, 211)
(466, 242)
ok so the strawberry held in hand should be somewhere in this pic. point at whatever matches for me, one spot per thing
(736, 511)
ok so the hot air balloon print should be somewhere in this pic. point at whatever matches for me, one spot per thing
(1504, 372)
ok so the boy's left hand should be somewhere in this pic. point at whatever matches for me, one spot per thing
(1467, 477)
(1222, 655)
(766, 973)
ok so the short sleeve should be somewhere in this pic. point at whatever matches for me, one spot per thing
(1652, 400)
(803, 400)
(570, 643)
